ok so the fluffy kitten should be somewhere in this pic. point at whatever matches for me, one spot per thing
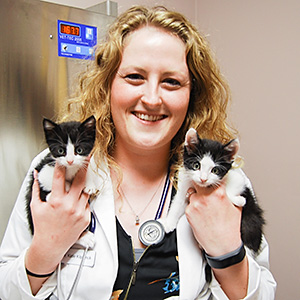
(207, 163)
(69, 143)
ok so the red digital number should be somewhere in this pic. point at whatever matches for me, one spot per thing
(68, 29)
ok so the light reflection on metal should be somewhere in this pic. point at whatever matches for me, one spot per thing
(34, 83)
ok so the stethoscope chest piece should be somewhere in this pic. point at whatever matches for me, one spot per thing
(151, 233)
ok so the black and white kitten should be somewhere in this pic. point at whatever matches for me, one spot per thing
(69, 143)
(207, 163)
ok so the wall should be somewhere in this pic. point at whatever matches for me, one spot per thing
(257, 44)
(186, 7)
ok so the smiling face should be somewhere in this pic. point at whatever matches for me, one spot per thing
(150, 92)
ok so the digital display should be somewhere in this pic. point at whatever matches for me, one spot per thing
(75, 40)
(69, 29)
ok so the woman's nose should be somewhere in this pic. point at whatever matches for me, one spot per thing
(151, 95)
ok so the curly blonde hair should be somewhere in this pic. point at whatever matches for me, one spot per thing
(209, 95)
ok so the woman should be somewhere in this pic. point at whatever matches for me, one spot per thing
(152, 79)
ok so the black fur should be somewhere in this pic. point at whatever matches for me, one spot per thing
(82, 136)
(252, 222)
(218, 152)
(43, 194)
(252, 215)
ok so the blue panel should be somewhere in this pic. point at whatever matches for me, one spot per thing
(76, 40)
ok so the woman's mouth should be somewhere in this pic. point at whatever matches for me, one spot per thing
(149, 118)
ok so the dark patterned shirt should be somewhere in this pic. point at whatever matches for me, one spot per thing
(155, 275)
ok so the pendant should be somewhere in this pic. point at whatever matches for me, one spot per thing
(137, 220)
(151, 233)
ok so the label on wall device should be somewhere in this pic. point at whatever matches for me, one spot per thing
(76, 40)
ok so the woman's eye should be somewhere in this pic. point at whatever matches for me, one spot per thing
(196, 166)
(135, 77)
(172, 82)
(215, 171)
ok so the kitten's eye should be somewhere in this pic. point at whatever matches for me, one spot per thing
(79, 150)
(215, 171)
(61, 151)
(196, 166)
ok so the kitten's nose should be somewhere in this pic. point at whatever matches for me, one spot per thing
(70, 162)
(203, 180)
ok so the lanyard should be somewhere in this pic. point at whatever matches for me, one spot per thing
(163, 196)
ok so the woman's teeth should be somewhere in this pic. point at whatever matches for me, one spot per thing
(150, 118)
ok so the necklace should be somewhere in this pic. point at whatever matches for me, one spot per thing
(137, 216)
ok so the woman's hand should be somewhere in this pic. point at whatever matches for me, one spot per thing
(58, 222)
(216, 224)
(215, 221)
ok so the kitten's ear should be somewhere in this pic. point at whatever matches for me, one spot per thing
(232, 148)
(50, 130)
(89, 123)
(191, 140)
(48, 125)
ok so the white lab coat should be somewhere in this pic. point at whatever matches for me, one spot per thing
(97, 278)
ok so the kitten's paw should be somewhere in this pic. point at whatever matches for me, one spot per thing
(238, 201)
(48, 197)
(67, 186)
(87, 239)
(168, 226)
(91, 190)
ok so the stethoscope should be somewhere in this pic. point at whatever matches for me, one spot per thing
(152, 232)
(91, 228)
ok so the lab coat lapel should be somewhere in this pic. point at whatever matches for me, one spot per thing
(191, 270)
(104, 210)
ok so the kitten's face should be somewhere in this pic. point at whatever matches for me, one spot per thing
(206, 162)
(71, 142)
(70, 156)
(204, 171)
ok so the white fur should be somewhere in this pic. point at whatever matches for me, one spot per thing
(73, 163)
(87, 239)
(45, 177)
(204, 177)
(179, 203)
(235, 185)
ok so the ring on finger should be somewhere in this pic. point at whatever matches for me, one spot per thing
(189, 193)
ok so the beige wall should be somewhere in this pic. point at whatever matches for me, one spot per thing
(257, 44)
(187, 7)
(258, 47)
